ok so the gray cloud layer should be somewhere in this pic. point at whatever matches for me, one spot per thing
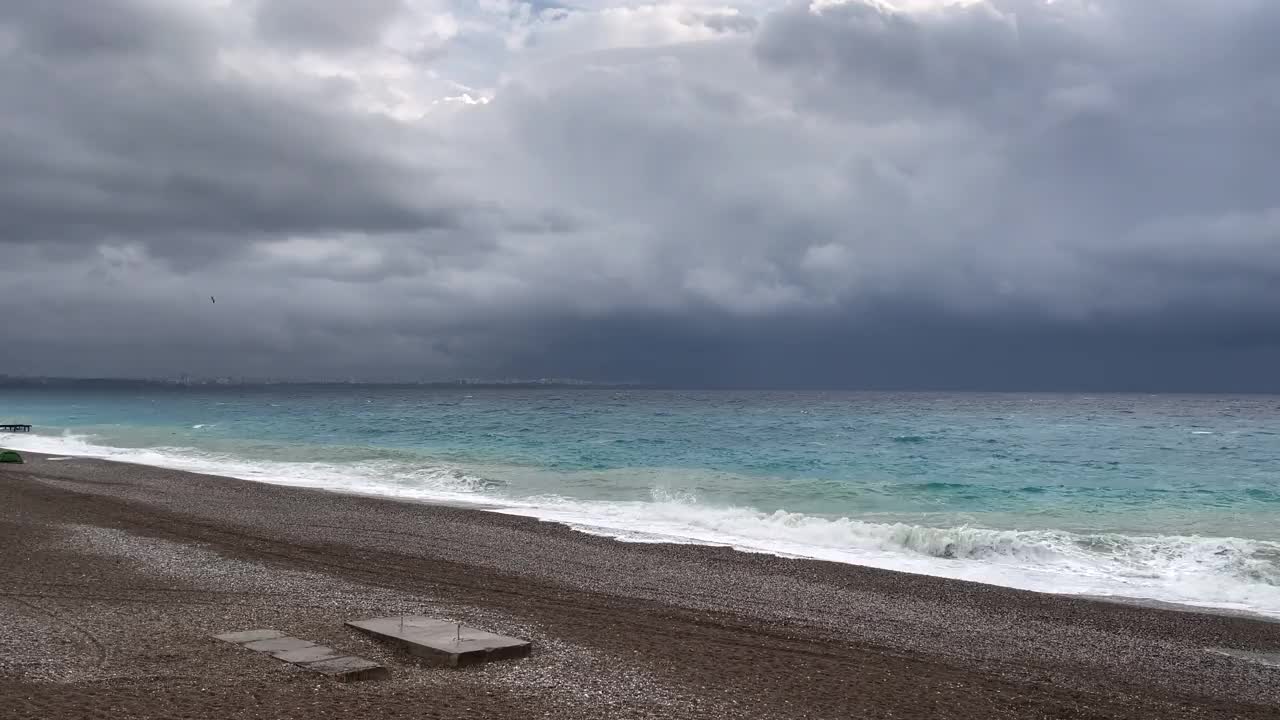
(999, 194)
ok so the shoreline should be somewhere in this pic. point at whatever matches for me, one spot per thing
(1132, 601)
(621, 535)
(691, 630)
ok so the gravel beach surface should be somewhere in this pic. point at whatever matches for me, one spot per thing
(114, 577)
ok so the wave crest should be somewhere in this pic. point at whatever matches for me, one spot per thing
(1227, 572)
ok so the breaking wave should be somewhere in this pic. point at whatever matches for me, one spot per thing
(1226, 572)
(365, 471)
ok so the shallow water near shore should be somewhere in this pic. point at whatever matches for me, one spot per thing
(1172, 498)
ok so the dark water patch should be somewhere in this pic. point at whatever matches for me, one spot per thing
(933, 486)
(640, 441)
(910, 439)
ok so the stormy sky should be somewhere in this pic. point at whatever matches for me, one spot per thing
(1001, 194)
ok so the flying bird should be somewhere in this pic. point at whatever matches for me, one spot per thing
(215, 302)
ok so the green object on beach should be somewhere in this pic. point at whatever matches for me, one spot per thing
(9, 456)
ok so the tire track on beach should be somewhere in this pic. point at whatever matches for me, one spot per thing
(168, 589)
(410, 569)
(148, 601)
(708, 626)
(241, 543)
(101, 651)
(407, 572)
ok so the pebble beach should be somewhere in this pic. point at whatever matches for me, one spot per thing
(115, 577)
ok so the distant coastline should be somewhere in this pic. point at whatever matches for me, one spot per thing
(7, 381)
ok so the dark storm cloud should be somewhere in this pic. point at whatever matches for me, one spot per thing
(120, 126)
(917, 348)
(1002, 194)
(101, 30)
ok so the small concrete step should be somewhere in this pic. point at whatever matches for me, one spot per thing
(279, 645)
(248, 636)
(440, 642)
(307, 655)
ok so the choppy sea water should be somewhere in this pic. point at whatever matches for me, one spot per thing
(1173, 498)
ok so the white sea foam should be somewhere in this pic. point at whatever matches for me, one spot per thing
(1231, 573)
(1214, 572)
(375, 477)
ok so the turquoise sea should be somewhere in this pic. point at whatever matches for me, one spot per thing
(1174, 498)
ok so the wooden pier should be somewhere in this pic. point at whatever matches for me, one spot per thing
(15, 428)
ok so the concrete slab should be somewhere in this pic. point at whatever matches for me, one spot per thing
(307, 655)
(247, 636)
(349, 669)
(1268, 659)
(443, 643)
(276, 645)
